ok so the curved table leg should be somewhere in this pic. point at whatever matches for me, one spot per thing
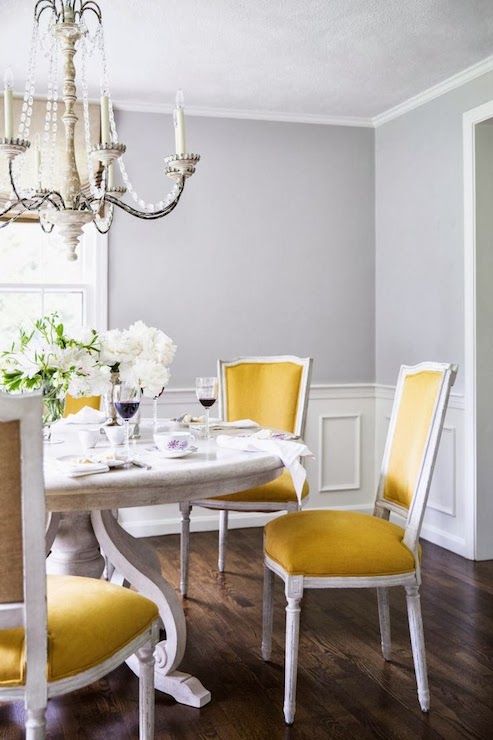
(138, 564)
(52, 525)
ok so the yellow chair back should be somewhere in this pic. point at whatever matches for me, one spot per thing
(412, 430)
(266, 392)
(73, 405)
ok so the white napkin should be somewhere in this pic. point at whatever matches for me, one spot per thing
(238, 424)
(288, 451)
(86, 415)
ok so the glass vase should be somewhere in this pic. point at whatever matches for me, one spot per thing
(53, 405)
(109, 405)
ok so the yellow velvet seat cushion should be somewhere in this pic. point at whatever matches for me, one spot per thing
(88, 621)
(279, 490)
(337, 543)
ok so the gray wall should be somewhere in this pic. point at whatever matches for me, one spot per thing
(270, 251)
(484, 335)
(419, 233)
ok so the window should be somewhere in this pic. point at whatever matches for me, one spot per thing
(36, 278)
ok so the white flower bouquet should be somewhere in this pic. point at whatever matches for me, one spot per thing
(46, 357)
(141, 355)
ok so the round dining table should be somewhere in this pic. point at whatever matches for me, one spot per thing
(84, 536)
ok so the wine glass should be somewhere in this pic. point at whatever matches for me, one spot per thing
(127, 401)
(206, 392)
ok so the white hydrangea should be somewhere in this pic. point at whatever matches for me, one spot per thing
(92, 381)
(142, 354)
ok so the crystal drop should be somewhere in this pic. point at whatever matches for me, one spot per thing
(151, 207)
(47, 127)
(48, 105)
(142, 203)
(135, 196)
(29, 111)
(55, 127)
(30, 100)
(23, 117)
(24, 107)
(160, 205)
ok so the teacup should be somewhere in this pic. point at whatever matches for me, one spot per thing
(174, 442)
(115, 434)
(88, 438)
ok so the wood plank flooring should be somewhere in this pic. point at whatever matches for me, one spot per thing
(345, 690)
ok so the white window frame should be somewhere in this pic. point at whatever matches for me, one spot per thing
(94, 287)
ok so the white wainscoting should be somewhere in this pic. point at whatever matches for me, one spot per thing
(340, 433)
(346, 429)
(446, 516)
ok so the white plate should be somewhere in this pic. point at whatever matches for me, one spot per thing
(96, 460)
(178, 453)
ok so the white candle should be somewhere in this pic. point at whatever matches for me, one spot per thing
(105, 120)
(8, 103)
(111, 177)
(179, 121)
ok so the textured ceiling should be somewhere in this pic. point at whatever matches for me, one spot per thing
(318, 57)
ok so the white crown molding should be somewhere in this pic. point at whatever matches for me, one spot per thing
(451, 83)
(134, 106)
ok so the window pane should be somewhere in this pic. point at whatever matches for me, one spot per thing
(69, 305)
(55, 266)
(28, 255)
(17, 309)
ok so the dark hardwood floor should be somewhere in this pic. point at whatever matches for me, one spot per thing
(345, 690)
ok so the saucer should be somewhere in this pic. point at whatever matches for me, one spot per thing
(171, 454)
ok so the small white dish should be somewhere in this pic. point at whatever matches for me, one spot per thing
(173, 454)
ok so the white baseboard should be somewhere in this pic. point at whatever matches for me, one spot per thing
(198, 523)
(445, 539)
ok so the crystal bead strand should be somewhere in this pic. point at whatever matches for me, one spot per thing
(50, 124)
(95, 191)
(27, 103)
(149, 207)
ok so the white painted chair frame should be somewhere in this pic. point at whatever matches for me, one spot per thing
(295, 585)
(225, 507)
(31, 614)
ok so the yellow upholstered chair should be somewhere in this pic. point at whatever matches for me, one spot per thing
(273, 391)
(58, 633)
(341, 549)
(73, 404)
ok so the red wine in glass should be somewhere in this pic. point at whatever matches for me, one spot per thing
(206, 392)
(207, 402)
(127, 409)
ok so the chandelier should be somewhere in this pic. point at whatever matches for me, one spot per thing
(60, 30)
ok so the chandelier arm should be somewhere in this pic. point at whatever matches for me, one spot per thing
(46, 230)
(91, 6)
(12, 181)
(43, 5)
(153, 216)
(13, 218)
(109, 221)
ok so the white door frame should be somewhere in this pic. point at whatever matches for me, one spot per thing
(470, 120)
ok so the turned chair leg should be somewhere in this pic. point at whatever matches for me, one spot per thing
(223, 536)
(185, 509)
(384, 618)
(418, 645)
(36, 724)
(267, 613)
(294, 592)
(146, 691)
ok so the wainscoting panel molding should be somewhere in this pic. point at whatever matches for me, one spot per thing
(346, 429)
(339, 452)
